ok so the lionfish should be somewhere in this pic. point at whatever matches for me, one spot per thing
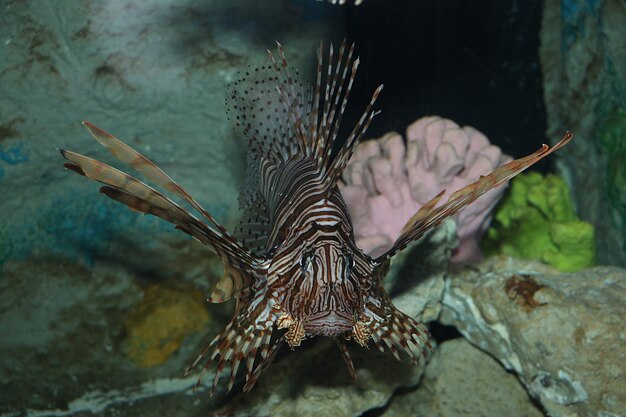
(292, 265)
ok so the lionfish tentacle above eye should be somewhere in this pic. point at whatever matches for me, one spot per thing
(292, 265)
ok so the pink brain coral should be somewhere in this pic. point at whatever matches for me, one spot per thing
(386, 182)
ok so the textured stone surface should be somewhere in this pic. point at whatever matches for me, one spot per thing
(157, 325)
(583, 58)
(461, 380)
(63, 348)
(562, 334)
(152, 73)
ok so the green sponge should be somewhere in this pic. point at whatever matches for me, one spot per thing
(536, 220)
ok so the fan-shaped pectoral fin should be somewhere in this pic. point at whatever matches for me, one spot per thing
(243, 340)
(392, 330)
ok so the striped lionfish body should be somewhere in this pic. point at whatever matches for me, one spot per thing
(292, 265)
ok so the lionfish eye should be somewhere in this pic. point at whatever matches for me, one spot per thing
(349, 264)
(270, 253)
(306, 259)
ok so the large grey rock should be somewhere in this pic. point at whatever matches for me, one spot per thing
(562, 334)
(462, 380)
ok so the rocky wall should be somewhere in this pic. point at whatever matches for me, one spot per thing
(583, 56)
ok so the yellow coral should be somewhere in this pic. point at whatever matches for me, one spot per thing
(160, 322)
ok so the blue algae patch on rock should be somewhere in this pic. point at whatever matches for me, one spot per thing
(13, 155)
(81, 228)
(573, 14)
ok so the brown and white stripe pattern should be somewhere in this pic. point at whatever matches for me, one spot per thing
(292, 265)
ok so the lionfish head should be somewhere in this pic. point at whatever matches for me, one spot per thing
(313, 275)
(333, 301)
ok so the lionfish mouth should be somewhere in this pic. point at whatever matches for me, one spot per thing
(328, 323)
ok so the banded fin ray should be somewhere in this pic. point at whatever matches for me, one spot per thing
(239, 342)
(430, 216)
(148, 200)
(254, 226)
(138, 196)
(146, 167)
(345, 354)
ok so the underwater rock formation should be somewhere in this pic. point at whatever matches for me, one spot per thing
(158, 75)
(562, 334)
(462, 380)
(386, 182)
(66, 338)
(157, 325)
(583, 59)
(536, 220)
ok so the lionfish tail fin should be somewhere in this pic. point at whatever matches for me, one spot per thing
(140, 197)
(430, 216)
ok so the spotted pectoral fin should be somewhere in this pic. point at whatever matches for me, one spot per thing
(430, 216)
(392, 330)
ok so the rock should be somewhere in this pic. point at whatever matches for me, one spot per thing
(562, 334)
(462, 380)
(314, 382)
(64, 345)
(583, 60)
(153, 74)
(157, 325)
